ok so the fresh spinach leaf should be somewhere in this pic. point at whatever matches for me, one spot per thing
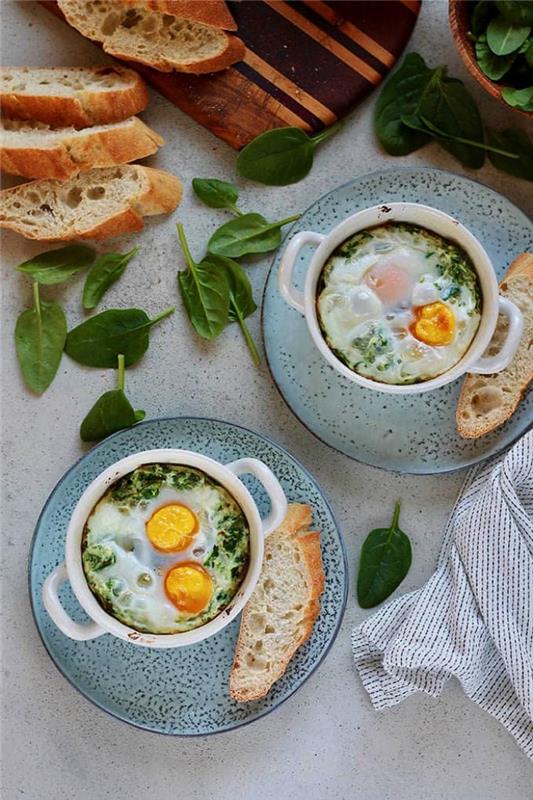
(481, 15)
(519, 98)
(106, 270)
(40, 335)
(251, 233)
(112, 412)
(398, 98)
(281, 156)
(519, 12)
(446, 105)
(516, 141)
(205, 293)
(216, 194)
(385, 560)
(241, 301)
(55, 266)
(504, 37)
(494, 67)
(528, 54)
(98, 341)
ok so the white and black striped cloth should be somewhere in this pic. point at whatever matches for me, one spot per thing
(473, 620)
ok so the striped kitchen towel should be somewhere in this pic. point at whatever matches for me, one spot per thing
(474, 618)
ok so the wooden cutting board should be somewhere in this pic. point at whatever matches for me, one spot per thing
(307, 63)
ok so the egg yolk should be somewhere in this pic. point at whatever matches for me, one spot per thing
(172, 528)
(391, 284)
(434, 324)
(189, 587)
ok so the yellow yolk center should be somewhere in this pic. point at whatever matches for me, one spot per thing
(434, 324)
(172, 528)
(189, 587)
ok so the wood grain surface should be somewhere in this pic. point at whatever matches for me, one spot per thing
(307, 63)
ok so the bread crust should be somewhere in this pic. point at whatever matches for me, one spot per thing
(298, 518)
(214, 13)
(522, 266)
(162, 195)
(82, 151)
(85, 108)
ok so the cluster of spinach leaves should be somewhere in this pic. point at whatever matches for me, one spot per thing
(503, 42)
(117, 337)
(216, 290)
(385, 561)
(419, 104)
(281, 156)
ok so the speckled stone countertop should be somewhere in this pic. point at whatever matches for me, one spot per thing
(325, 741)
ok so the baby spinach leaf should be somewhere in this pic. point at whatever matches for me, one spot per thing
(385, 561)
(105, 272)
(400, 97)
(481, 15)
(528, 54)
(516, 141)
(241, 301)
(446, 105)
(98, 341)
(519, 12)
(504, 37)
(216, 194)
(40, 335)
(205, 293)
(251, 233)
(55, 266)
(281, 156)
(519, 98)
(494, 67)
(112, 412)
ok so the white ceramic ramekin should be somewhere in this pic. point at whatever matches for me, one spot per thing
(72, 569)
(438, 222)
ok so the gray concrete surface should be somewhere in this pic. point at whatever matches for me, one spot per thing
(326, 741)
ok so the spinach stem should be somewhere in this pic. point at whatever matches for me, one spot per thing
(185, 246)
(325, 134)
(166, 313)
(285, 221)
(434, 131)
(36, 298)
(396, 515)
(121, 378)
(249, 341)
(235, 209)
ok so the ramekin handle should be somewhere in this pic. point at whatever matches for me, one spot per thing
(491, 364)
(75, 630)
(278, 501)
(291, 295)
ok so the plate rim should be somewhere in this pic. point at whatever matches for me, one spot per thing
(240, 723)
(277, 255)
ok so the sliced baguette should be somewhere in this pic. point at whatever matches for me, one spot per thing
(95, 205)
(214, 13)
(282, 610)
(34, 150)
(160, 40)
(71, 96)
(487, 401)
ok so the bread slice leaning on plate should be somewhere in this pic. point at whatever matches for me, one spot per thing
(96, 204)
(159, 39)
(282, 610)
(487, 401)
(34, 150)
(71, 96)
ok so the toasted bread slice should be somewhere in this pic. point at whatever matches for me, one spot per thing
(160, 40)
(71, 96)
(214, 13)
(487, 401)
(96, 204)
(34, 150)
(282, 610)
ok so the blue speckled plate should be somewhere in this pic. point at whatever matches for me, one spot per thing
(183, 691)
(416, 433)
